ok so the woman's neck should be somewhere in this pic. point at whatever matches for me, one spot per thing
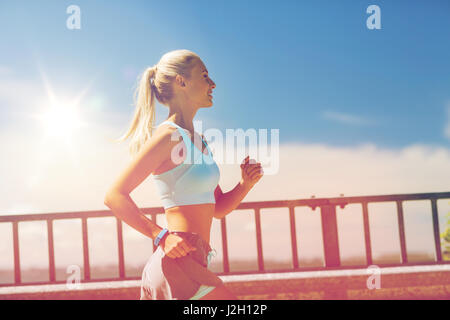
(182, 113)
(182, 120)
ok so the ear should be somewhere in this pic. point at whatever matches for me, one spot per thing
(180, 80)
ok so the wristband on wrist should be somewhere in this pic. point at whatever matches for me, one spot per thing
(160, 236)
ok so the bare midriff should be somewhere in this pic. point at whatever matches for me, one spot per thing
(191, 218)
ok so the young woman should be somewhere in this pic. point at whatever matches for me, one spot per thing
(188, 186)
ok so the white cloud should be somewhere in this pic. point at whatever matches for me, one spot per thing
(346, 118)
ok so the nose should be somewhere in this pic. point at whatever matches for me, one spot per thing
(212, 83)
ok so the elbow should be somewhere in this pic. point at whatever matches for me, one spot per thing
(218, 210)
(107, 202)
(108, 199)
(111, 202)
(218, 214)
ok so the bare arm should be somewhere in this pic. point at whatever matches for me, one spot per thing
(228, 201)
(118, 199)
(126, 210)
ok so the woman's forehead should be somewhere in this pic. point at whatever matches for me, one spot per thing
(201, 67)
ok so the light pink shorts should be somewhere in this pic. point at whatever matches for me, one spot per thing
(185, 278)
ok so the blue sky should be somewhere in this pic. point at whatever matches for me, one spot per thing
(310, 68)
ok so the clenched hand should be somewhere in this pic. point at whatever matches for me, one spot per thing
(251, 171)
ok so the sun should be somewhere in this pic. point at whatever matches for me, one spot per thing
(62, 129)
(60, 117)
(61, 120)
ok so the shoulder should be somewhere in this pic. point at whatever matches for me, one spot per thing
(164, 128)
(166, 132)
(161, 141)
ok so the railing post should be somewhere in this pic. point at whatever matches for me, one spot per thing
(51, 251)
(259, 240)
(87, 269)
(401, 231)
(437, 236)
(17, 279)
(226, 262)
(293, 237)
(120, 248)
(367, 234)
(330, 236)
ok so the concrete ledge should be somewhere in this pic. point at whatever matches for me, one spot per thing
(418, 282)
(112, 290)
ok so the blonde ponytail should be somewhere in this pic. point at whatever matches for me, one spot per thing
(141, 127)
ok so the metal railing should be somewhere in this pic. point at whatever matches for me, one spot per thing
(329, 233)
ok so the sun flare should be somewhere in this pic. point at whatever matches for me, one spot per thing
(61, 120)
(60, 117)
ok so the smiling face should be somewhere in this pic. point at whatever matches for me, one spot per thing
(199, 86)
